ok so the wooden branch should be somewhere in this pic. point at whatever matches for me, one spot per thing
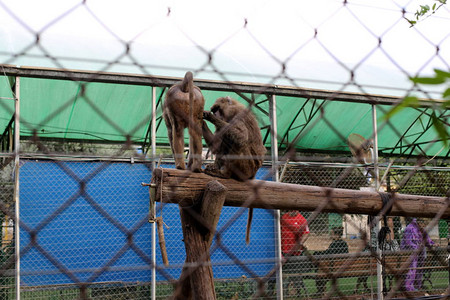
(212, 207)
(162, 240)
(184, 187)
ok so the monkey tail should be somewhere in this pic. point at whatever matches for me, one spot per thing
(188, 84)
(187, 81)
(249, 225)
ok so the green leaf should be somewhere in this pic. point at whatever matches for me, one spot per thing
(410, 101)
(434, 6)
(446, 94)
(440, 129)
(442, 74)
(424, 8)
(446, 104)
(428, 80)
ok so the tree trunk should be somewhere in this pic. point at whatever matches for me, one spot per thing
(199, 225)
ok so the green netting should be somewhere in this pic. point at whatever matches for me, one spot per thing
(6, 102)
(322, 125)
(76, 110)
(62, 109)
(410, 132)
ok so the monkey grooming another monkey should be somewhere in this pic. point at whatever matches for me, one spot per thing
(237, 143)
(183, 108)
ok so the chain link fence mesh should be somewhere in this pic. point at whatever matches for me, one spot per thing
(7, 248)
(84, 217)
(356, 226)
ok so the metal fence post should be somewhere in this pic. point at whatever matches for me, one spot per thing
(16, 184)
(274, 154)
(153, 144)
(377, 186)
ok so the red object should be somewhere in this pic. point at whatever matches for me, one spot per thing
(293, 227)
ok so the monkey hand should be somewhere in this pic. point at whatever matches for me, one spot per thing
(207, 115)
(210, 168)
(213, 170)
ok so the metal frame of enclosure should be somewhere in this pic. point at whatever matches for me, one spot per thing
(271, 91)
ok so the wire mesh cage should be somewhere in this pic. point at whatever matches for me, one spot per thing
(352, 230)
(350, 199)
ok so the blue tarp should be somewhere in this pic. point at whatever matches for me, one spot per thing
(82, 212)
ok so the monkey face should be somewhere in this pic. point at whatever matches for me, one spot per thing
(217, 111)
(224, 108)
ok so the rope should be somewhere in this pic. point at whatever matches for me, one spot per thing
(161, 195)
(385, 198)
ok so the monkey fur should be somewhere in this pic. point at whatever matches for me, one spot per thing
(184, 101)
(237, 143)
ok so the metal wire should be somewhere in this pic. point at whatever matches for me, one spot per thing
(81, 229)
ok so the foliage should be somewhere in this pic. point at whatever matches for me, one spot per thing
(426, 11)
(440, 77)
(440, 125)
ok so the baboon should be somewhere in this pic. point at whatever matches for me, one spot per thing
(237, 143)
(183, 107)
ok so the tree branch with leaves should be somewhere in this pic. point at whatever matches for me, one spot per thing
(425, 11)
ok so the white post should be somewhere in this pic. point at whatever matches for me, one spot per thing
(274, 153)
(153, 143)
(16, 183)
(153, 129)
(377, 186)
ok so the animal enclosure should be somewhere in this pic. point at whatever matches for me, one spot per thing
(77, 214)
(350, 138)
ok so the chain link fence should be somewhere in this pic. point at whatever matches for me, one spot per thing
(355, 227)
(76, 146)
(7, 249)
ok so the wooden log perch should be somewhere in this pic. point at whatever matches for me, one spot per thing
(184, 187)
(199, 223)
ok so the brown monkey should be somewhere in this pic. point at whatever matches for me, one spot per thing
(184, 101)
(237, 143)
